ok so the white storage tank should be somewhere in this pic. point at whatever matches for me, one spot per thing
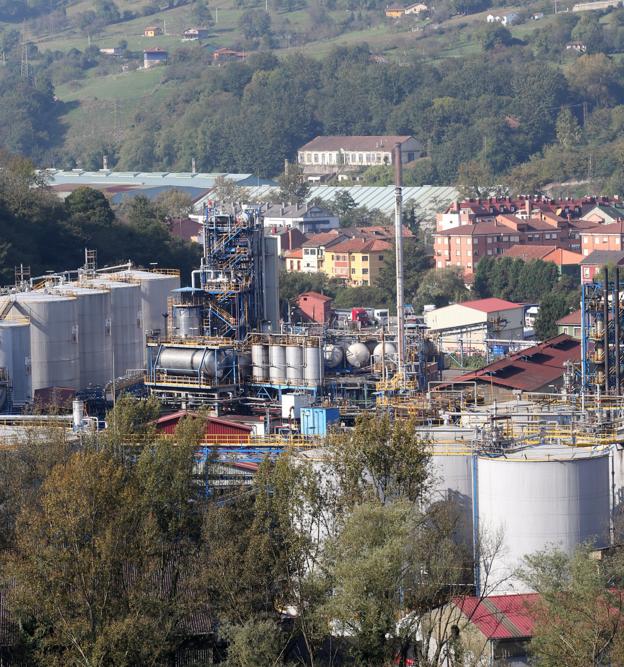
(277, 364)
(294, 364)
(313, 373)
(452, 480)
(260, 362)
(95, 341)
(542, 497)
(189, 361)
(156, 288)
(333, 355)
(54, 336)
(128, 340)
(358, 355)
(15, 358)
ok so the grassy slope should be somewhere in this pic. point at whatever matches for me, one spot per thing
(106, 104)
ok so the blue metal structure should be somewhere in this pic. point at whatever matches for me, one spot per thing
(231, 274)
(602, 324)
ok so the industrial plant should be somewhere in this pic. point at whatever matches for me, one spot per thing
(529, 447)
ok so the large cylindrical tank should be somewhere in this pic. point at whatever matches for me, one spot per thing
(451, 481)
(313, 366)
(277, 364)
(187, 321)
(192, 360)
(333, 355)
(260, 362)
(358, 355)
(388, 350)
(54, 336)
(126, 324)
(95, 341)
(15, 358)
(294, 364)
(538, 498)
(156, 288)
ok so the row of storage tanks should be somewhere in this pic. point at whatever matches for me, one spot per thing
(305, 365)
(532, 499)
(82, 334)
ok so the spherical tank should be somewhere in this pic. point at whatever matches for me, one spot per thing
(95, 341)
(313, 373)
(294, 363)
(156, 288)
(538, 498)
(126, 327)
(388, 350)
(333, 355)
(277, 364)
(260, 362)
(358, 355)
(54, 335)
(15, 358)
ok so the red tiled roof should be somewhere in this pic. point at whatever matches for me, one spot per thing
(531, 369)
(322, 239)
(612, 228)
(297, 253)
(361, 245)
(500, 616)
(490, 305)
(563, 257)
(527, 252)
(573, 318)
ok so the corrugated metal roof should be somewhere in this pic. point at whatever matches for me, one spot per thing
(500, 616)
(429, 198)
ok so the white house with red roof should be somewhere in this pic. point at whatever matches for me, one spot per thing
(467, 326)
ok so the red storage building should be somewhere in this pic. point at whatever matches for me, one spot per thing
(216, 429)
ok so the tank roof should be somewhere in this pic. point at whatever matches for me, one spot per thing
(550, 453)
(41, 296)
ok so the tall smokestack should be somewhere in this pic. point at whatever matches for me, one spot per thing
(398, 239)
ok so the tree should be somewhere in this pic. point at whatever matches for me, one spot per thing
(175, 203)
(254, 23)
(580, 612)
(568, 129)
(294, 186)
(87, 206)
(440, 287)
(552, 308)
(343, 204)
(494, 35)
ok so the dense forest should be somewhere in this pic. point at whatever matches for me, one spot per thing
(40, 231)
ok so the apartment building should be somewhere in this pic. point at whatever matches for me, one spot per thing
(356, 261)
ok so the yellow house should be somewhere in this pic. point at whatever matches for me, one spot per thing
(356, 261)
(152, 31)
(395, 12)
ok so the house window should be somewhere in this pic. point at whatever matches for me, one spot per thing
(458, 253)
(468, 241)
(586, 271)
(489, 240)
(381, 258)
(365, 258)
(605, 239)
(364, 271)
(440, 265)
(457, 241)
(410, 156)
(352, 271)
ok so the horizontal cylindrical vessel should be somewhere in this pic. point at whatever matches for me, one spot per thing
(192, 361)
(333, 355)
(358, 355)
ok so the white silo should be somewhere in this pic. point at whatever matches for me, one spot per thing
(126, 323)
(156, 289)
(277, 364)
(313, 371)
(260, 362)
(15, 358)
(294, 364)
(95, 340)
(54, 335)
(452, 480)
(538, 498)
